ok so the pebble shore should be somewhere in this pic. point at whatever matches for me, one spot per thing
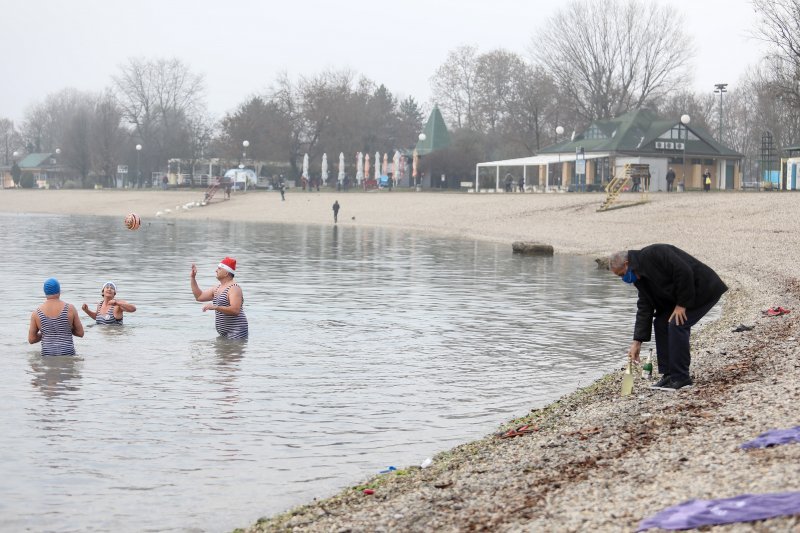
(595, 461)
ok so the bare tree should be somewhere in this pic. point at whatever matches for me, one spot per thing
(9, 139)
(107, 138)
(700, 107)
(611, 56)
(779, 26)
(453, 87)
(158, 98)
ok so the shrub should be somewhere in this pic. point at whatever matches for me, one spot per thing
(26, 181)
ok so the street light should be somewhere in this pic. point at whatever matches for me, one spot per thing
(138, 165)
(559, 131)
(685, 119)
(58, 152)
(245, 144)
(14, 168)
(422, 138)
(720, 88)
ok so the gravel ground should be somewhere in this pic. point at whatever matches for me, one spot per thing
(596, 461)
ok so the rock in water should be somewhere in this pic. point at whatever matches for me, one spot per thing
(531, 248)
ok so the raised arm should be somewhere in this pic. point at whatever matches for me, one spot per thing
(199, 294)
(120, 306)
(92, 314)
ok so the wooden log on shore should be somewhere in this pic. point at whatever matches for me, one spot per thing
(532, 248)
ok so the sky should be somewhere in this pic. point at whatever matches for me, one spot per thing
(241, 46)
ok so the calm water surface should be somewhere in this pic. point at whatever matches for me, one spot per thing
(368, 348)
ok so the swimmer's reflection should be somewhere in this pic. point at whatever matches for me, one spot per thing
(229, 352)
(56, 375)
(229, 356)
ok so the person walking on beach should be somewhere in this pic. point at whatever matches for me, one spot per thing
(335, 211)
(55, 322)
(110, 309)
(675, 291)
(283, 191)
(670, 179)
(226, 299)
(707, 180)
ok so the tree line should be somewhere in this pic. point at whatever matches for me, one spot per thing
(590, 60)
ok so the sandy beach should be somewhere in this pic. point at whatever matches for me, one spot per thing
(596, 461)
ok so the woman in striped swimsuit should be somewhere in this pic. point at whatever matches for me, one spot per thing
(109, 309)
(54, 323)
(226, 300)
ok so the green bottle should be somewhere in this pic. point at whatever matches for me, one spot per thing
(647, 367)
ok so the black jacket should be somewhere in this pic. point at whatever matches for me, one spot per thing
(667, 276)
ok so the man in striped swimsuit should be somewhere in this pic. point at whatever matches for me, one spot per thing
(54, 323)
(226, 300)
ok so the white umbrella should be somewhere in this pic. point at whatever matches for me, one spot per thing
(324, 175)
(366, 166)
(341, 167)
(396, 166)
(377, 167)
(304, 174)
(359, 167)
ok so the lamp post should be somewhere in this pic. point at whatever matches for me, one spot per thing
(58, 153)
(685, 119)
(138, 165)
(422, 138)
(559, 131)
(720, 88)
(245, 144)
(15, 172)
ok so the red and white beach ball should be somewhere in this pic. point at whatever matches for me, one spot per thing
(132, 221)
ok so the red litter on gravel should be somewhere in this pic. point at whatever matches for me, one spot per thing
(369, 491)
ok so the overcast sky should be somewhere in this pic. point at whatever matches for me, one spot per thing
(241, 45)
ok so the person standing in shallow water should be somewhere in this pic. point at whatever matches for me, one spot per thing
(335, 211)
(226, 299)
(55, 322)
(110, 309)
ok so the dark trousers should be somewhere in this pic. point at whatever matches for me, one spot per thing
(672, 341)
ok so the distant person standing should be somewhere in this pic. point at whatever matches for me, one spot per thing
(54, 323)
(226, 299)
(283, 191)
(707, 180)
(670, 179)
(335, 211)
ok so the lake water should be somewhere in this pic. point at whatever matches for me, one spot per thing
(368, 348)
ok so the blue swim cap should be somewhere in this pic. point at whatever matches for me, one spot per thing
(52, 286)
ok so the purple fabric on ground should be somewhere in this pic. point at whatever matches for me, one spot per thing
(774, 437)
(744, 508)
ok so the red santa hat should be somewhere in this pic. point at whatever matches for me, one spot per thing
(229, 264)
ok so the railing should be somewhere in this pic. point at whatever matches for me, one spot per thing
(613, 189)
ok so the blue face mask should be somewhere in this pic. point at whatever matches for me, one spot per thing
(629, 276)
